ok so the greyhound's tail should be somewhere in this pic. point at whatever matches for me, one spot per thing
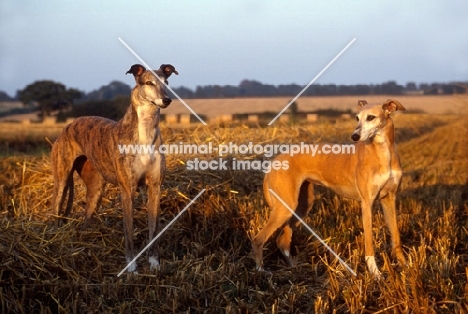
(69, 188)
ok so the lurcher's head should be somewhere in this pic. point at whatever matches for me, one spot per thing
(373, 117)
(151, 88)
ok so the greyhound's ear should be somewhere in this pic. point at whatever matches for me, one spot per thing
(361, 103)
(167, 70)
(392, 105)
(136, 70)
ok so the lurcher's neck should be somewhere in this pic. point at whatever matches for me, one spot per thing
(385, 135)
(148, 123)
(141, 122)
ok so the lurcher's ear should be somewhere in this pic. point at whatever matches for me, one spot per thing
(392, 105)
(136, 70)
(167, 70)
(361, 103)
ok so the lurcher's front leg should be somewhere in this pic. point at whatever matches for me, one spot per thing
(388, 205)
(366, 207)
(154, 194)
(126, 194)
(154, 181)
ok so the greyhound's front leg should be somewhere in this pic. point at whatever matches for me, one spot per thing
(366, 207)
(154, 194)
(154, 181)
(126, 194)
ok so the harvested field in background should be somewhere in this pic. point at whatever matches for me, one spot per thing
(443, 104)
(206, 254)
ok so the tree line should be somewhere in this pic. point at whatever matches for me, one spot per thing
(252, 88)
(112, 99)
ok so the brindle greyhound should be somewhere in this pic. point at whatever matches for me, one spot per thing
(373, 172)
(90, 145)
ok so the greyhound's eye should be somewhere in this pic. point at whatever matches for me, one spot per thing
(149, 83)
(357, 118)
(370, 118)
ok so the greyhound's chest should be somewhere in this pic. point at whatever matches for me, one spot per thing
(381, 178)
(383, 172)
(388, 180)
(146, 164)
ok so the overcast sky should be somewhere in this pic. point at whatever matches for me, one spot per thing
(220, 42)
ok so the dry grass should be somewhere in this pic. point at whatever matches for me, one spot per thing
(206, 262)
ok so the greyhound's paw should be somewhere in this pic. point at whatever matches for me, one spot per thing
(261, 270)
(131, 267)
(154, 263)
(372, 266)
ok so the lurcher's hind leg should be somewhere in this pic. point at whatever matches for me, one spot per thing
(61, 189)
(305, 202)
(70, 189)
(62, 171)
(95, 183)
(279, 216)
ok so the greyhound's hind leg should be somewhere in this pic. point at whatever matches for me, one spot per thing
(305, 202)
(62, 172)
(94, 187)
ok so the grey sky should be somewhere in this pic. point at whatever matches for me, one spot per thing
(219, 42)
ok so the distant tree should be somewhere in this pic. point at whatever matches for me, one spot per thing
(289, 90)
(112, 109)
(4, 96)
(362, 89)
(109, 92)
(391, 88)
(183, 92)
(200, 92)
(250, 88)
(230, 91)
(411, 86)
(328, 90)
(49, 95)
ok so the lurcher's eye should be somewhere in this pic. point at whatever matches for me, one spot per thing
(370, 118)
(149, 83)
(357, 118)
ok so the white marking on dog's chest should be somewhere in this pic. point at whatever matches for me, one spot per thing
(144, 161)
(146, 125)
(396, 175)
(147, 133)
(381, 178)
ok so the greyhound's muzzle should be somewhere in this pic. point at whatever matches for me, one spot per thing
(356, 136)
(162, 103)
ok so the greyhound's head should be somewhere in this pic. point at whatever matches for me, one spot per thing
(151, 88)
(373, 118)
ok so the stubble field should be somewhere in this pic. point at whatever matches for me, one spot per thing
(206, 255)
